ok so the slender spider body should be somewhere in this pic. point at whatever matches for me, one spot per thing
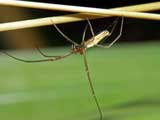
(96, 39)
(81, 49)
(90, 42)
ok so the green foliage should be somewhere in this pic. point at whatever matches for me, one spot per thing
(126, 80)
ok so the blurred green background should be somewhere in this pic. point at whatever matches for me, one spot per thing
(126, 79)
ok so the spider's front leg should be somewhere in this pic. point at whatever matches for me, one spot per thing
(65, 36)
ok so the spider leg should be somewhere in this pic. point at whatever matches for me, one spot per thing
(91, 86)
(65, 36)
(113, 25)
(120, 33)
(91, 29)
(84, 34)
(40, 60)
(43, 54)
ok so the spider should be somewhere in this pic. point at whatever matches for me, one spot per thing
(81, 49)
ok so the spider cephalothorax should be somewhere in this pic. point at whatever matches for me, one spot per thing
(78, 49)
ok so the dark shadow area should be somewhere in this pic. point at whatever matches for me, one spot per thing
(123, 110)
(138, 103)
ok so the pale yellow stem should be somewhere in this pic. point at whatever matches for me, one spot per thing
(71, 8)
(73, 17)
(48, 6)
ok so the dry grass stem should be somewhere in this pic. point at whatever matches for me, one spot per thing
(71, 8)
(48, 6)
(75, 17)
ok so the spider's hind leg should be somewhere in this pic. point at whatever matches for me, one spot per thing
(119, 35)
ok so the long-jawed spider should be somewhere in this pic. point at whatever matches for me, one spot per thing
(81, 49)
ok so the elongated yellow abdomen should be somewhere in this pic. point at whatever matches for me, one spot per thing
(94, 41)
